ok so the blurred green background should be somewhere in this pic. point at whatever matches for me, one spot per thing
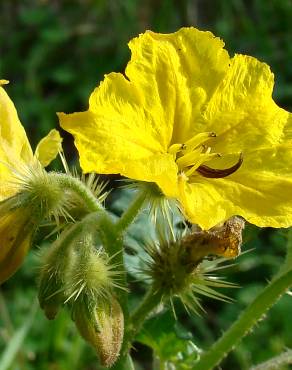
(54, 53)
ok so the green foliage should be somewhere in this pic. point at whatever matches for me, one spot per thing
(172, 344)
(54, 53)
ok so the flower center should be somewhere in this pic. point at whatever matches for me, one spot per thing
(192, 155)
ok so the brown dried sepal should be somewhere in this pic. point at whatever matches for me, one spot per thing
(222, 240)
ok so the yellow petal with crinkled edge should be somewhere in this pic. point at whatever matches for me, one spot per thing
(131, 122)
(103, 151)
(242, 111)
(260, 191)
(14, 146)
(117, 135)
(179, 72)
(177, 86)
(49, 147)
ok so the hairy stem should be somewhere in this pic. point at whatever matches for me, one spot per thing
(287, 265)
(262, 303)
(78, 187)
(124, 363)
(134, 325)
(113, 244)
(151, 300)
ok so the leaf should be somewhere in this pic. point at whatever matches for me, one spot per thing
(170, 341)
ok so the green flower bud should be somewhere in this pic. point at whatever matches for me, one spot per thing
(39, 197)
(92, 274)
(56, 265)
(42, 194)
(102, 326)
(95, 310)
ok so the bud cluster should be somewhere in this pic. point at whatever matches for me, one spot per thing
(76, 273)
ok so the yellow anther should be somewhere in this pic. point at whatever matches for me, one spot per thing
(198, 139)
(175, 148)
(189, 158)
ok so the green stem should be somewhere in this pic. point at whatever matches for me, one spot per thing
(135, 323)
(113, 244)
(151, 300)
(124, 363)
(130, 214)
(78, 187)
(288, 260)
(262, 303)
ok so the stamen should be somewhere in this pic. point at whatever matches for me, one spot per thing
(190, 158)
(198, 139)
(208, 172)
(202, 159)
(175, 148)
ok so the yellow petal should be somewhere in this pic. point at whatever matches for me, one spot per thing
(242, 111)
(48, 148)
(14, 145)
(260, 191)
(15, 239)
(179, 72)
(131, 122)
(4, 82)
(117, 135)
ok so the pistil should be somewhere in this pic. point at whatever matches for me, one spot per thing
(214, 173)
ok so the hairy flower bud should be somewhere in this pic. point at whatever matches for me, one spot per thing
(95, 310)
(102, 326)
(39, 197)
(42, 193)
(56, 263)
(92, 274)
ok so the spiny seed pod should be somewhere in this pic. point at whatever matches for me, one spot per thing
(177, 265)
(101, 325)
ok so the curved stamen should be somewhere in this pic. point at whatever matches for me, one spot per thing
(214, 173)
(198, 139)
(189, 158)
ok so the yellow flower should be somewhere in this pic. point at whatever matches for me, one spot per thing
(16, 232)
(15, 150)
(200, 124)
(17, 224)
